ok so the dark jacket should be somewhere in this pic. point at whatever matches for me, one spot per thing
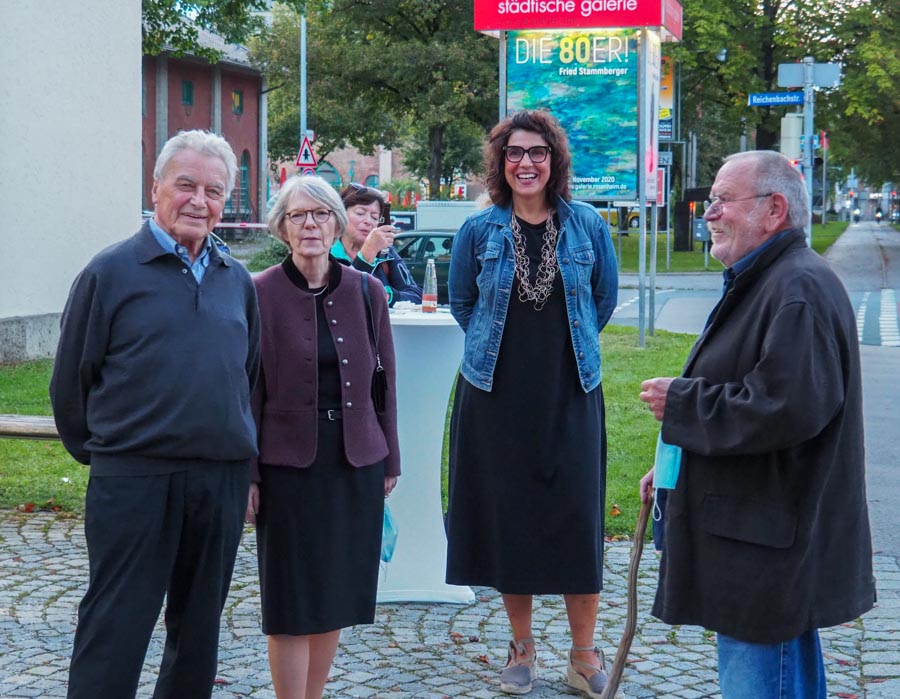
(767, 531)
(285, 403)
(154, 370)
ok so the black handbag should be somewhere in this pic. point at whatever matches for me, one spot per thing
(379, 378)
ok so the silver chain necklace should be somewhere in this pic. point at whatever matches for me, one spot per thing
(547, 269)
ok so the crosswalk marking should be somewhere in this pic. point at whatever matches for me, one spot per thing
(861, 316)
(887, 320)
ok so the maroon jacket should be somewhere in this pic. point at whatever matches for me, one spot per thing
(285, 402)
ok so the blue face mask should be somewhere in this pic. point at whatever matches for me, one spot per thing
(666, 467)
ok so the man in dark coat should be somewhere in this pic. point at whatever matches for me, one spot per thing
(158, 355)
(767, 530)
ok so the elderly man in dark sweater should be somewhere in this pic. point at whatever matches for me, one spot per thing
(158, 355)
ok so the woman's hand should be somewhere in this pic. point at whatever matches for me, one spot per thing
(647, 487)
(252, 504)
(377, 240)
(390, 482)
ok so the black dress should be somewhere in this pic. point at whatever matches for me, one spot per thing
(528, 460)
(319, 528)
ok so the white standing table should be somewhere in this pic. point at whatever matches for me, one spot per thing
(428, 349)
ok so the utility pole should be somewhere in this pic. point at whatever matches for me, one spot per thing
(809, 155)
(302, 77)
(809, 75)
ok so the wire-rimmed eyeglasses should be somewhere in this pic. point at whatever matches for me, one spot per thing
(537, 154)
(719, 202)
(298, 217)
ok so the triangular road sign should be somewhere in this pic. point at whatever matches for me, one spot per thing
(306, 158)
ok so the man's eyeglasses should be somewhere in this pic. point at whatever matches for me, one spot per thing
(298, 218)
(719, 202)
(537, 154)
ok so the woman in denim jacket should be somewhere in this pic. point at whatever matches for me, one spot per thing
(533, 281)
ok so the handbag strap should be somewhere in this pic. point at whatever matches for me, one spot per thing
(372, 333)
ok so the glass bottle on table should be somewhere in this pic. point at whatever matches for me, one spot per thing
(429, 289)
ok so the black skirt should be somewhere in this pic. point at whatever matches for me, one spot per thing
(319, 541)
(528, 464)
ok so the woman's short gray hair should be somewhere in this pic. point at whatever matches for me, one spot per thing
(203, 142)
(775, 173)
(315, 188)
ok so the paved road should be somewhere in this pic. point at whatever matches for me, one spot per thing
(413, 650)
(447, 651)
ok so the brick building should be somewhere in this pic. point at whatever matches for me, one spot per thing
(227, 98)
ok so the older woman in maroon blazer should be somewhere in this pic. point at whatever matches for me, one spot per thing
(327, 459)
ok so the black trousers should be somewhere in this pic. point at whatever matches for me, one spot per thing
(150, 537)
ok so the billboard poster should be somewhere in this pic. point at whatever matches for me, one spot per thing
(588, 79)
(650, 137)
(667, 100)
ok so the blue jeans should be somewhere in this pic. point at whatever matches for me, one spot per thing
(789, 670)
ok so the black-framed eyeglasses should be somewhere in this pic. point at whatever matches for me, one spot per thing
(537, 154)
(298, 217)
(719, 202)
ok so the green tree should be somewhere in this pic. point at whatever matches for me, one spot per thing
(164, 28)
(394, 73)
(732, 48)
(864, 115)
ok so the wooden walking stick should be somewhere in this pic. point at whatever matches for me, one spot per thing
(618, 666)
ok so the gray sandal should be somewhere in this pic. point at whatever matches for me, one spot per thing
(594, 685)
(519, 674)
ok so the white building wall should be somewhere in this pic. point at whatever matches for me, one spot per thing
(70, 154)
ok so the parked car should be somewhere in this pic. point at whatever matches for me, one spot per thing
(415, 247)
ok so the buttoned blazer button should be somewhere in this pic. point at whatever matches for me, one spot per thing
(576, 323)
(581, 355)
(571, 292)
(334, 322)
(345, 361)
(340, 339)
(347, 384)
(329, 303)
(348, 404)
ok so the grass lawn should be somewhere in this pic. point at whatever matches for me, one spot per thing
(43, 474)
(38, 475)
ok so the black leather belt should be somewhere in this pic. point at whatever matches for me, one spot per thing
(330, 415)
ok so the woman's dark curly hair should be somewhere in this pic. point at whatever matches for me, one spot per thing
(538, 121)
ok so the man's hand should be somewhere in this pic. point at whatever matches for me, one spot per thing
(252, 504)
(654, 392)
(647, 487)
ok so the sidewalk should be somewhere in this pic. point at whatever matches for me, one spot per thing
(413, 650)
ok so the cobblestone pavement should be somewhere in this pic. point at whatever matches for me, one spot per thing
(421, 651)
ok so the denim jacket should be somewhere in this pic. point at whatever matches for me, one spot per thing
(481, 281)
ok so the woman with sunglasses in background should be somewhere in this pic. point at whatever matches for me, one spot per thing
(533, 281)
(368, 244)
(327, 456)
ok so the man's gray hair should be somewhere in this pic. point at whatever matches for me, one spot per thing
(203, 142)
(774, 173)
(315, 188)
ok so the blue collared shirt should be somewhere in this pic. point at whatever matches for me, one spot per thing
(198, 267)
(744, 263)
